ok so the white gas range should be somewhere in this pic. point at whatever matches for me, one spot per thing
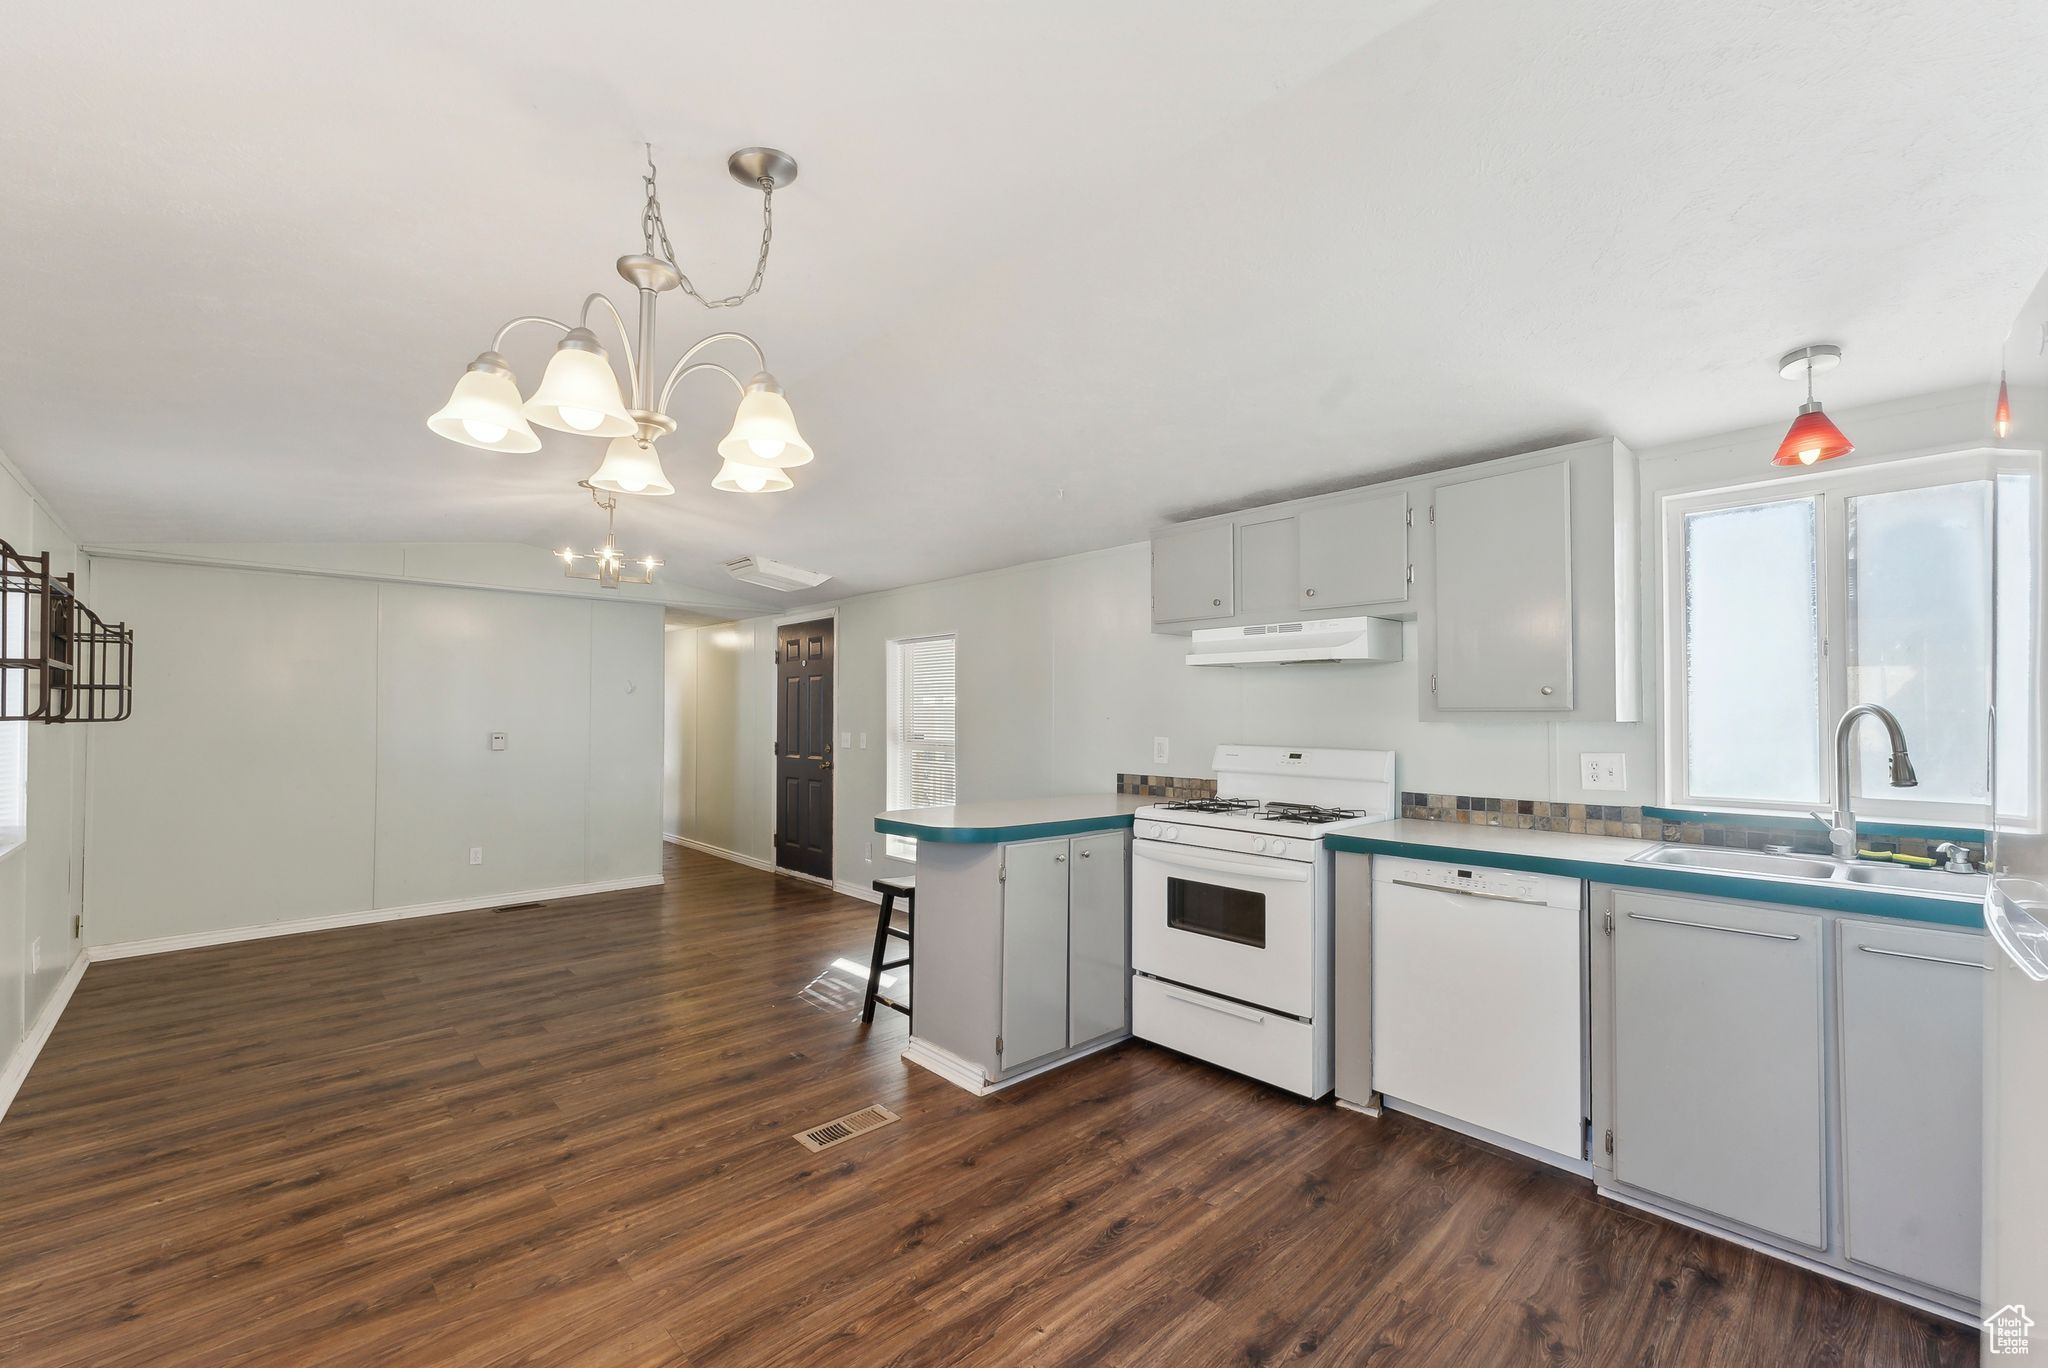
(1231, 909)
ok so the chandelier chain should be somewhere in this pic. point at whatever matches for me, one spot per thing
(656, 234)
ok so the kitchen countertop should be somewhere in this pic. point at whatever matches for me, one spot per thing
(1014, 819)
(1605, 859)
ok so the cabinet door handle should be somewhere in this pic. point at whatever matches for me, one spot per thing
(1311, 593)
(1059, 859)
(1215, 603)
(1709, 926)
(1924, 959)
(1547, 691)
(1229, 1009)
(1086, 853)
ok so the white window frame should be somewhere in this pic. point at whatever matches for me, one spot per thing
(1831, 490)
(905, 847)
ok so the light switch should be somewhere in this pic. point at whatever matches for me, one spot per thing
(499, 740)
(846, 740)
(1159, 749)
(863, 740)
(476, 855)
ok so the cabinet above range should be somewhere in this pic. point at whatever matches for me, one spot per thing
(1521, 572)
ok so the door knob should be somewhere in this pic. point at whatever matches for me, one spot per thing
(825, 764)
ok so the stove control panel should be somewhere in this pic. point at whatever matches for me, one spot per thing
(1229, 839)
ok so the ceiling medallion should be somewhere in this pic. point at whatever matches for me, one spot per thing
(579, 392)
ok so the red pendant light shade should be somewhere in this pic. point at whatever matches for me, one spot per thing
(2001, 417)
(1812, 437)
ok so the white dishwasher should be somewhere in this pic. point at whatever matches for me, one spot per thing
(1478, 993)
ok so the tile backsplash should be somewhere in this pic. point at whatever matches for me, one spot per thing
(1596, 819)
(1164, 787)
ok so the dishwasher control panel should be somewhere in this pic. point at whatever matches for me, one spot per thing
(1479, 881)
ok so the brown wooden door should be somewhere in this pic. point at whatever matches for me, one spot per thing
(803, 748)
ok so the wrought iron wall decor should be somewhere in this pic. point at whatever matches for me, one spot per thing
(59, 661)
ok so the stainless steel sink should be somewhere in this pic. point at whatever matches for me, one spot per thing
(1737, 862)
(1918, 880)
(1814, 869)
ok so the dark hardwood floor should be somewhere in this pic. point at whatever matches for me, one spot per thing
(563, 1135)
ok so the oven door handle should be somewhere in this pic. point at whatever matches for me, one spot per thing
(1188, 859)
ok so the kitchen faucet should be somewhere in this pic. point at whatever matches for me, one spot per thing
(1842, 826)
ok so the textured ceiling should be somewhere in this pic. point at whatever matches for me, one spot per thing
(1051, 274)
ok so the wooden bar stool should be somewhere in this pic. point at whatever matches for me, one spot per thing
(885, 927)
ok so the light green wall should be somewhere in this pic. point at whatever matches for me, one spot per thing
(306, 746)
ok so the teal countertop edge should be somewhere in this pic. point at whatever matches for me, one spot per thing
(995, 835)
(1858, 900)
(1868, 826)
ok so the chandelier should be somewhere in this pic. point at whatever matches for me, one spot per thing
(580, 393)
(607, 562)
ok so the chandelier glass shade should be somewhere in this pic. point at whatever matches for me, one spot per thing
(484, 411)
(764, 430)
(631, 466)
(742, 477)
(579, 393)
(1813, 436)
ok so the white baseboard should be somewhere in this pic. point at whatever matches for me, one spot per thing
(706, 848)
(769, 866)
(194, 940)
(962, 1073)
(1827, 1270)
(16, 1072)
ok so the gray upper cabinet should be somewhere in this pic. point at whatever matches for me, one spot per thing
(1034, 1020)
(1098, 933)
(1354, 553)
(1194, 574)
(1268, 561)
(1503, 578)
(1911, 1002)
(1719, 1088)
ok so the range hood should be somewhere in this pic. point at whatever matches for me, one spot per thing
(1299, 643)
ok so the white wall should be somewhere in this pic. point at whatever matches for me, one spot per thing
(40, 878)
(1063, 684)
(304, 747)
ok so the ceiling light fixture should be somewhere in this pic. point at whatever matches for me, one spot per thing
(774, 574)
(580, 393)
(1813, 436)
(607, 563)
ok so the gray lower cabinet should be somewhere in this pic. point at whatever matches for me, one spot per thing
(1098, 938)
(1910, 1012)
(1194, 573)
(1719, 1090)
(1065, 943)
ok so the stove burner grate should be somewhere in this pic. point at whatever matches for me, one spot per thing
(1211, 805)
(1308, 814)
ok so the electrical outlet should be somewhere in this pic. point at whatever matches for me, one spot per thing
(499, 740)
(867, 852)
(1603, 770)
(476, 854)
(35, 955)
(863, 740)
(846, 740)
(1159, 750)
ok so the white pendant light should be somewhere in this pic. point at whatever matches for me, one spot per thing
(578, 391)
(740, 477)
(631, 466)
(484, 411)
(764, 430)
